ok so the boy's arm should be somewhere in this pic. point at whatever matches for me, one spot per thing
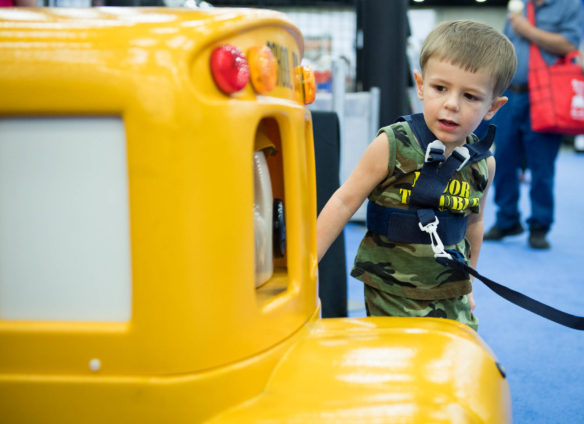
(371, 169)
(475, 227)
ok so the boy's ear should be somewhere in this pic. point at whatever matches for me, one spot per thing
(495, 106)
(419, 82)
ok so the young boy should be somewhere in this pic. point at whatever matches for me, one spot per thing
(465, 67)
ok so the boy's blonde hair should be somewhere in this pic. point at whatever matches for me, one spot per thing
(472, 46)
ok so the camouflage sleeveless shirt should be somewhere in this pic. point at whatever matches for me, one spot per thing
(406, 269)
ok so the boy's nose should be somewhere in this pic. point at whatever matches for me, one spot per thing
(451, 102)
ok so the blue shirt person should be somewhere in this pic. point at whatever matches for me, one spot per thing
(557, 31)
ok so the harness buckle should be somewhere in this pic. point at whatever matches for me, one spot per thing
(437, 245)
(435, 152)
(463, 154)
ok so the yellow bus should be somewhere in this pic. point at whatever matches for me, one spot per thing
(157, 237)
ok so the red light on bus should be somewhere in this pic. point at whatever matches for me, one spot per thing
(229, 68)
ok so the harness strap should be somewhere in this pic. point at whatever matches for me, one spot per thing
(402, 224)
(519, 299)
(436, 173)
(435, 176)
(482, 148)
(479, 150)
(419, 128)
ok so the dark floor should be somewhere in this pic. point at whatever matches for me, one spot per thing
(543, 360)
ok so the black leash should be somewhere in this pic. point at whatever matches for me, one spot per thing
(519, 299)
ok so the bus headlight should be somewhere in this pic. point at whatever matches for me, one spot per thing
(262, 219)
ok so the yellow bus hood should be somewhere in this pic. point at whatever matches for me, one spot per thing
(383, 370)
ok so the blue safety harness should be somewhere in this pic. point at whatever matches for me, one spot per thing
(404, 225)
(422, 223)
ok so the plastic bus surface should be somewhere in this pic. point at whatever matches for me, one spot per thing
(158, 243)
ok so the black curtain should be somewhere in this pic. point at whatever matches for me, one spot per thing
(332, 271)
(382, 31)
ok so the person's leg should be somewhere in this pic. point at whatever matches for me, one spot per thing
(509, 154)
(380, 303)
(542, 151)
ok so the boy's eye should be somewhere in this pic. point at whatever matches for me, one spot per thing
(439, 88)
(471, 96)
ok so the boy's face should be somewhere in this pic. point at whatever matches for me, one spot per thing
(455, 100)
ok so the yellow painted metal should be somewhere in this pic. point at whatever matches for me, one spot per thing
(202, 342)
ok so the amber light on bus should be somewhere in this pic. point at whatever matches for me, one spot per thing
(305, 77)
(263, 68)
(229, 68)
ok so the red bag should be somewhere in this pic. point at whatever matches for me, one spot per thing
(556, 92)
